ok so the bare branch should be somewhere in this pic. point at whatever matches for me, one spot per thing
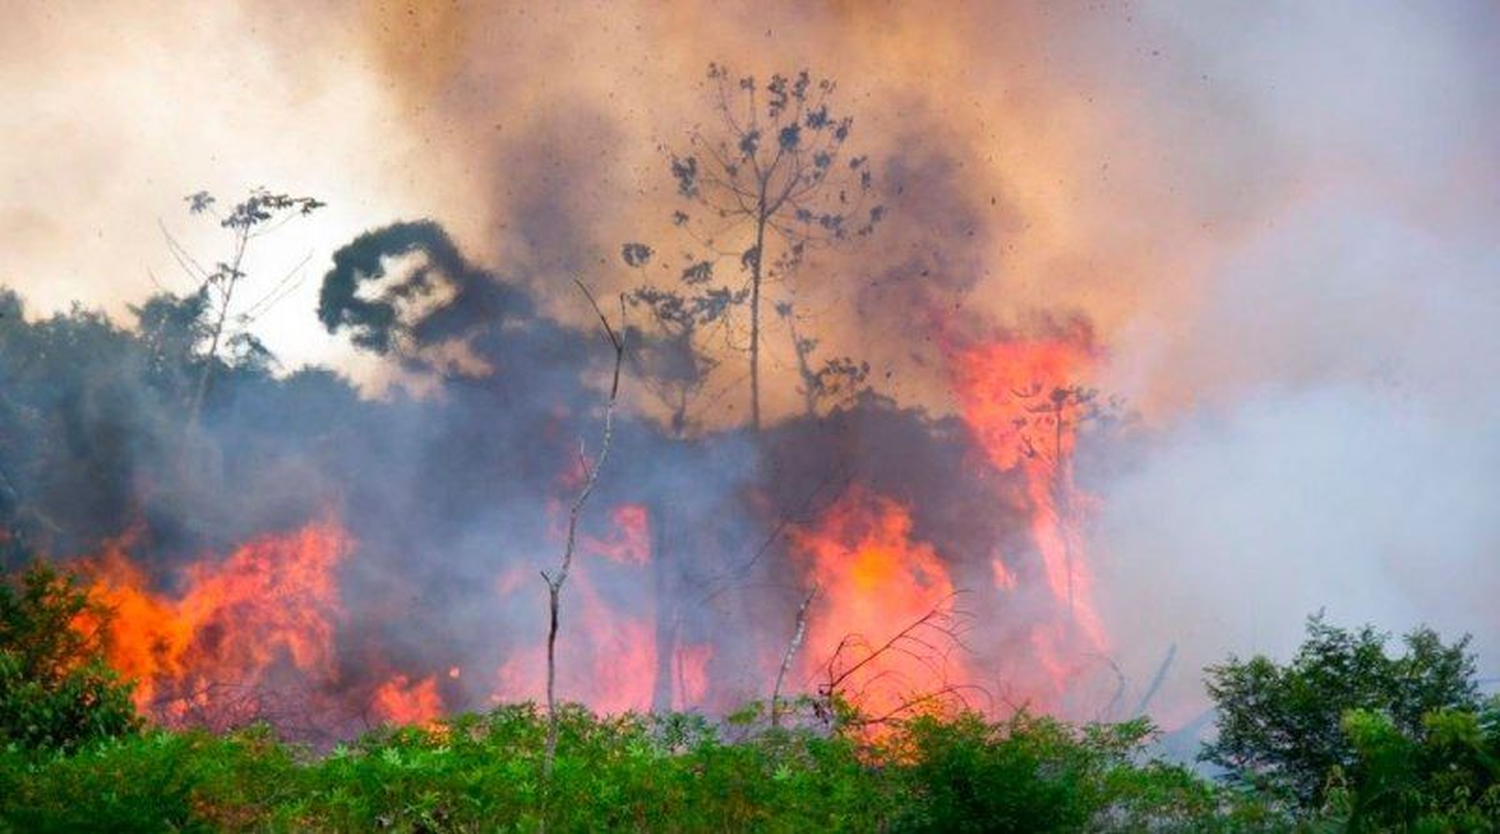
(791, 651)
(555, 581)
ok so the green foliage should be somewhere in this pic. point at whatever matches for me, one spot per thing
(1417, 751)
(1282, 729)
(1445, 779)
(55, 690)
(627, 773)
(1037, 774)
(969, 775)
(135, 784)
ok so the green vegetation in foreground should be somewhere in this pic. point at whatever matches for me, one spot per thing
(1345, 737)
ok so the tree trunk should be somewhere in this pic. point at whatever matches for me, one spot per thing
(756, 270)
(556, 581)
(792, 646)
(666, 613)
(205, 379)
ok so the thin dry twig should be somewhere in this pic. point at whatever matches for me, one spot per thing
(555, 581)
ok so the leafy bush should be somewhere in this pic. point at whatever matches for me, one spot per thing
(1417, 752)
(56, 692)
(627, 773)
(1038, 774)
(1446, 780)
(1282, 730)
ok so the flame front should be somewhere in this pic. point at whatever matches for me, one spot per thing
(1023, 402)
(271, 603)
(401, 700)
(881, 631)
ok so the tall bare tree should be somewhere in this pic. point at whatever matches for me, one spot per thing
(259, 214)
(770, 182)
(556, 580)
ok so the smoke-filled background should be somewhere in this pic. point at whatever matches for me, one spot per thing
(1267, 229)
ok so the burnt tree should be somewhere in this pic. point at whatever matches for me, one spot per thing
(768, 183)
(556, 580)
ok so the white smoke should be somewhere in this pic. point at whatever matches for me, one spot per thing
(1341, 443)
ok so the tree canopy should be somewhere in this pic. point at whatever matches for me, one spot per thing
(1282, 727)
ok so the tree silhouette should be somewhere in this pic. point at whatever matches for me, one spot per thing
(836, 380)
(672, 361)
(260, 213)
(769, 183)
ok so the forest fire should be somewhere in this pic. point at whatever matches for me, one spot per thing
(885, 629)
(882, 630)
(462, 416)
(1023, 402)
(267, 610)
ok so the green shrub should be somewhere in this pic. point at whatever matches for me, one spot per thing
(625, 773)
(1280, 727)
(72, 760)
(56, 692)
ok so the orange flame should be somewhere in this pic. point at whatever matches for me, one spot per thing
(271, 602)
(1022, 401)
(614, 667)
(400, 700)
(874, 581)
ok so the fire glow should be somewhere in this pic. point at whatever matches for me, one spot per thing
(874, 580)
(613, 661)
(269, 614)
(1023, 403)
(270, 607)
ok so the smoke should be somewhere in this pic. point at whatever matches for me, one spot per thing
(1349, 467)
(1324, 427)
(1276, 219)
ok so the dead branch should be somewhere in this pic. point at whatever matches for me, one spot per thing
(938, 618)
(791, 651)
(1156, 681)
(556, 580)
(928, 641)
(947, 691)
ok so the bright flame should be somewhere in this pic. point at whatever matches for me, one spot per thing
(875, 580)
(271, 603)
(400, 700)
(1023, 401)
